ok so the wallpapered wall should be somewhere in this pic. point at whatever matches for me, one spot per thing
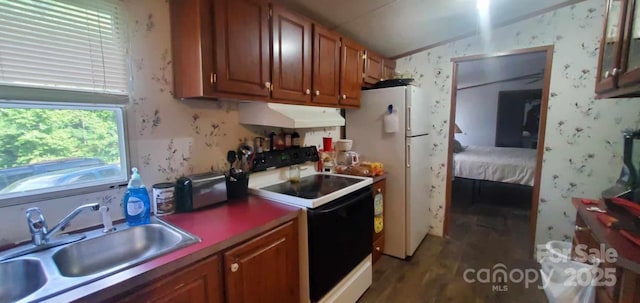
(583, 148)
(168, 138)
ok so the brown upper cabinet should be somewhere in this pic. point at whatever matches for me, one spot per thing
(619, 58)
(220, 48)
(389, 69)
(291, 56)
(326, 66)
(373, 65)
(351, 67)
(243, 49)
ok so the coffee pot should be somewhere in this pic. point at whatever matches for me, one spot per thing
(348, 158)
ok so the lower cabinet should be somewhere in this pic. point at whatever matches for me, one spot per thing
(264, 269)
(198, 283)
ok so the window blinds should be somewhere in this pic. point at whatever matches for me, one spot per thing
(72, 45)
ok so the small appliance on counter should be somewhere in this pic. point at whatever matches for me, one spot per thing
(201, 190)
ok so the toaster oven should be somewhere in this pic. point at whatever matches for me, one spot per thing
(201, 190)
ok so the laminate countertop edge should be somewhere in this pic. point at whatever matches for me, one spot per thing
(243, 211)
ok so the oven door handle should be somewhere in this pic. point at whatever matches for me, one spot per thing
(345, 205)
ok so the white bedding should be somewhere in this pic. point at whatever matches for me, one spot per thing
(500, 164)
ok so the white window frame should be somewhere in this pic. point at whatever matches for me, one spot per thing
(49, 193)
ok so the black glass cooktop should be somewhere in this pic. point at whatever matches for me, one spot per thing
(314, 186)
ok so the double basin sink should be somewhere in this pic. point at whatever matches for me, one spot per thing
(42, 274)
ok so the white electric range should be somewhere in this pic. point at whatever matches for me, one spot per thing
(335, 230)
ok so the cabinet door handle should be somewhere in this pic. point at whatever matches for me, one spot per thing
(607, 74)
(379, 190)
(615, 71)
(234, 267)
(307, 92)
(317, 93)
(580, 228)
(267, 85)
(179, 286)
(344, 97)
(377, 248)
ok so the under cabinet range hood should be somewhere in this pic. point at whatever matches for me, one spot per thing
(288, 116)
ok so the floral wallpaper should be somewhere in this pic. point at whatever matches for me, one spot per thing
(583, 148)
(168, 137)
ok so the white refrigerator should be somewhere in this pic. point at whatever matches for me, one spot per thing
(404, 155)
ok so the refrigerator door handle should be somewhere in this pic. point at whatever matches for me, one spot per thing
(408, 155)
(409, 120)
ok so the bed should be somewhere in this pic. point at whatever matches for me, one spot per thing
(497, 175)
(498, 164)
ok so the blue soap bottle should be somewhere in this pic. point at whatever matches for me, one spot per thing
(136, 202)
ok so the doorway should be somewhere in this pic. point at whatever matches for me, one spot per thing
(498, 115)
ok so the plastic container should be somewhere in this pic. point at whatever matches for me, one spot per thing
(164, 198)
(136, 202)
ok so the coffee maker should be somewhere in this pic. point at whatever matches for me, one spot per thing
(628, 185)
(345, 156)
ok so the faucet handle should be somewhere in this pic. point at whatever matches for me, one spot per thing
(37, 225)
(36, 220)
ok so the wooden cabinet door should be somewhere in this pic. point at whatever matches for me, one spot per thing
(265, 269)
(351, 63)
(291, 56)
(372, 68)
(610, 46)
(199, 283)
(631, 46)
(242, 47)
(389, 69)
(326, 66)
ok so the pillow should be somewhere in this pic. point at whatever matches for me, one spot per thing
(457, 146)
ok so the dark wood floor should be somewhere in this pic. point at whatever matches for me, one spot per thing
(481, 236)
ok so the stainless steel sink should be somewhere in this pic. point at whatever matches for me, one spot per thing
(115, 249)
(43, 274)
(20, 278)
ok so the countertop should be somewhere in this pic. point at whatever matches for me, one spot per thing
(379, 178)
(628, 253)
(219, 227)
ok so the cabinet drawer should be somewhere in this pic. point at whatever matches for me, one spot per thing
(378, 248)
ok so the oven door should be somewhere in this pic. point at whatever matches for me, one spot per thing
(340, 237)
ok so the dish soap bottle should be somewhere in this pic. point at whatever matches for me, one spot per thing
(136, 203)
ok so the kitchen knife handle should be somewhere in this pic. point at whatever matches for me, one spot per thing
(408, 155)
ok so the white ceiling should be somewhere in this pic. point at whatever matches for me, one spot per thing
(471, 73)
(394, 27)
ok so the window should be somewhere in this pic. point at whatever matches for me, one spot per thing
(63, 83)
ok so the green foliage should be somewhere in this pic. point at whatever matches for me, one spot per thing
(31, 135)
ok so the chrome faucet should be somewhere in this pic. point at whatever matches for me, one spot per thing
(40, 233)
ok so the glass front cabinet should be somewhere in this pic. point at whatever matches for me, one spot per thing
(619, 58)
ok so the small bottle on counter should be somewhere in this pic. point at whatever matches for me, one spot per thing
(272, 141)
(295, 140)
(287, 140)
(279, 144)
